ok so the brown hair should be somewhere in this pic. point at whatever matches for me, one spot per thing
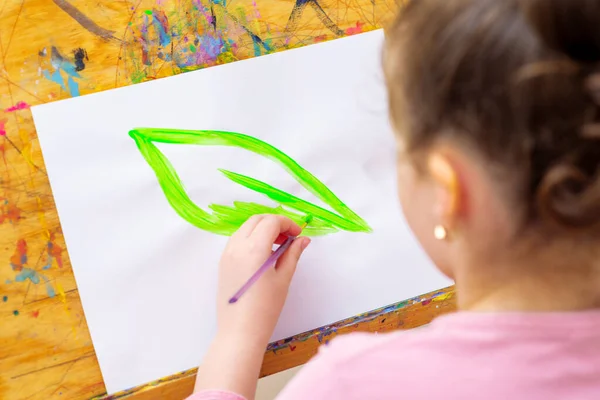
(517, 80)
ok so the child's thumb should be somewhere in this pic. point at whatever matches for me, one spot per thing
(286, 265)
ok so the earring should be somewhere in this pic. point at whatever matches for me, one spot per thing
(440, 232)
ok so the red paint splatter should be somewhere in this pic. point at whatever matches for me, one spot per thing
(19, 257)
(292, 348)
(3, 127)
(353, 30)
(35, 313)
(21, 105)
(9, 212)
(54, 250)
(320, 38)
(425, 302)
(145, 60)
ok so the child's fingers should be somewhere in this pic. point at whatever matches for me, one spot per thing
(271, 226)
(248, 227)
(286, 265)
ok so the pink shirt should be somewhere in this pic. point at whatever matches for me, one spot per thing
(462, 356)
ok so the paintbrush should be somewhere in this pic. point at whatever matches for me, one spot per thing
(269, 263)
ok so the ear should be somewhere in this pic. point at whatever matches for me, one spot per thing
(447, 187)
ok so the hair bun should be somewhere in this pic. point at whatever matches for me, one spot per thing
(571, 27)
(569, 192)
(570, 198)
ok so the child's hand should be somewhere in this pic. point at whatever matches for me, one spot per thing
(233, 360)
(254, 316)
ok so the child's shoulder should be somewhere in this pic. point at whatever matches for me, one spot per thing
(362, 346)
(465, 354)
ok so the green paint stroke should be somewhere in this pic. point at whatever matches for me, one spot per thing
(225, 220)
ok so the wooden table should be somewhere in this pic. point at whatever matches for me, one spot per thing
(55, 49)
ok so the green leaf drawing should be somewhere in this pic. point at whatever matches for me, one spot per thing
(225, 220)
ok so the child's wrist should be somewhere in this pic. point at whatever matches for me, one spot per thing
(243, 342)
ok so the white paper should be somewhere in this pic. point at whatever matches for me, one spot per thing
(147, 278)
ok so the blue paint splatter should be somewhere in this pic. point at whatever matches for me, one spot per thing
(163, 36)
(28, 273)
(257, 43)
(69, 69)
(55, 77)
(35, 277)
(211, 46)
(5, 299)
(50, 290)
(257, 51)
(61, 64)
(73, 87)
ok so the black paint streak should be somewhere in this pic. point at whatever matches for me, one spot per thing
(298, 10)
(214, 16)
(80, 54)
(56, 57)
(295, 15)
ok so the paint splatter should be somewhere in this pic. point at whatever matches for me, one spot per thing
(35, 313)
(49, 289)
(54, 252)
(28, 273)
(162, 24)
(3, 127)
(353, 30)
(73, 87)
(60, 63)
(21, 105)
(18, 263)
(19, 257)
(80, 54)
(156, 19)
(443, 296)
(16, 313)
(55, 77)
(9, 212)
(201, 38)
(5, 298)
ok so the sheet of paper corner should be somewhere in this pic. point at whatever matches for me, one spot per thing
(147, 278)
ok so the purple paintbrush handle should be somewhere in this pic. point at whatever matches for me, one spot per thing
(267, 264)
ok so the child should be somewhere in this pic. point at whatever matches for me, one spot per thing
(496, 105)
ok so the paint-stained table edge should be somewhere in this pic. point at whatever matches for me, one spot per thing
(386, 319)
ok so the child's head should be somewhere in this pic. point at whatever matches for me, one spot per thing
(497, 108)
